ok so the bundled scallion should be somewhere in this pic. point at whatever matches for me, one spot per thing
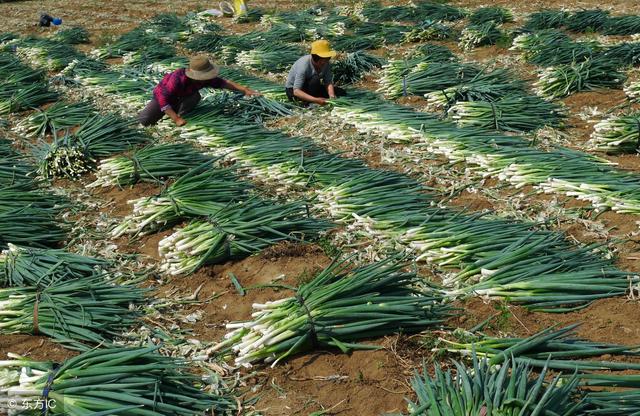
(72, 36)
(429, 30)
(100, 136)
(59, 116)
(269, 58)
(26, 266)
(587, 20)
(352, 66)
(22, 96)
(337, 308)
(235, 231)
(153, 163)
(590, 74)
(551, 348)
(77, 313)
(30, 226)
(546, 19)
(491, 15)
(617, 134)
(110, 380)
(512, 389)
(482, 34)
(201, 191)
(511, 113)
(622, 25)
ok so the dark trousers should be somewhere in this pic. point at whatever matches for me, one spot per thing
(152, 113)
(315, 88)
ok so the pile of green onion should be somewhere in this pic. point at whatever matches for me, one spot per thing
(77, 313)
(235, 231)
(153, 163)
(479, 35)
(269, 58)
(484, 389)
(27, 266)
(109, 381)
(352, 66)
(198, 193)
(59, 116)
(511, 113)
(338, 307)
(494, 14)
(617, 134)
(590, 74)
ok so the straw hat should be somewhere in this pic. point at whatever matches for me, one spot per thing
(322, 49)
(202, 69)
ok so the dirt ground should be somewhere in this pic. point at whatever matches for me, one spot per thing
(328, 382)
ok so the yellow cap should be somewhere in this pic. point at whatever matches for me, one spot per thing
(322, 49)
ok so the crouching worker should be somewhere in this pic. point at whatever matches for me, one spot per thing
(310, 79)
(177, 93)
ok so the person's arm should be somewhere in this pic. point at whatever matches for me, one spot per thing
(233, 86)
(301, 95)
(331, 91)
(162, 94)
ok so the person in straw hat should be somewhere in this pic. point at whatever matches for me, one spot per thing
(177, 93)
(310, 78)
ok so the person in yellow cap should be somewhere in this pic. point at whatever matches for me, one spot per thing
(310, 78)
(177, 93)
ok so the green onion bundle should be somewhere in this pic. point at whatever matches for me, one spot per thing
(30, 226)
(235, 231)
(59, 116)
(200, 192)
(148, 55)
(486, 86)
(134, 40)
(74, 312)
(13, 71)
(14, 170)
(511, 389)
(418, 78)
(546, 19)
(429, 30)
(354, 43)
(511, 113)
(587, 20)
(375, 12)
(438, 11)
(495, 15)
(269, 58)
(371, 193)
(100, 136)
(352, 66)
(389, 34)
(46, 53)
(632, 91)
(617, 134)
(335, 309)
(250, 16)
(111, 380)
(256, 109)
(167, 27)
(625, 54)
(27, 266)
(205, 42)
(622, 25)
(19, 96)
(479, 35)
(549, 348)
(72, 36)
(153, 163)
(590, 74)
(552, 47)
(430, 52)
(612, 403)
(16, 197)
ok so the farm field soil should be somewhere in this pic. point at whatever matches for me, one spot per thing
(364, 382)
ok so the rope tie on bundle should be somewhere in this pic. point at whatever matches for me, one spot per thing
(311, 323)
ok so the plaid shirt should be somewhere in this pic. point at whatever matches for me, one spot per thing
(176, 85)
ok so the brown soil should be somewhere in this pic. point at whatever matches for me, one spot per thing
(38, 348)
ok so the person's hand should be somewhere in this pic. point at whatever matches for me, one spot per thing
(331, 97)
(322, 101)
(180, 122)
(251, 93)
